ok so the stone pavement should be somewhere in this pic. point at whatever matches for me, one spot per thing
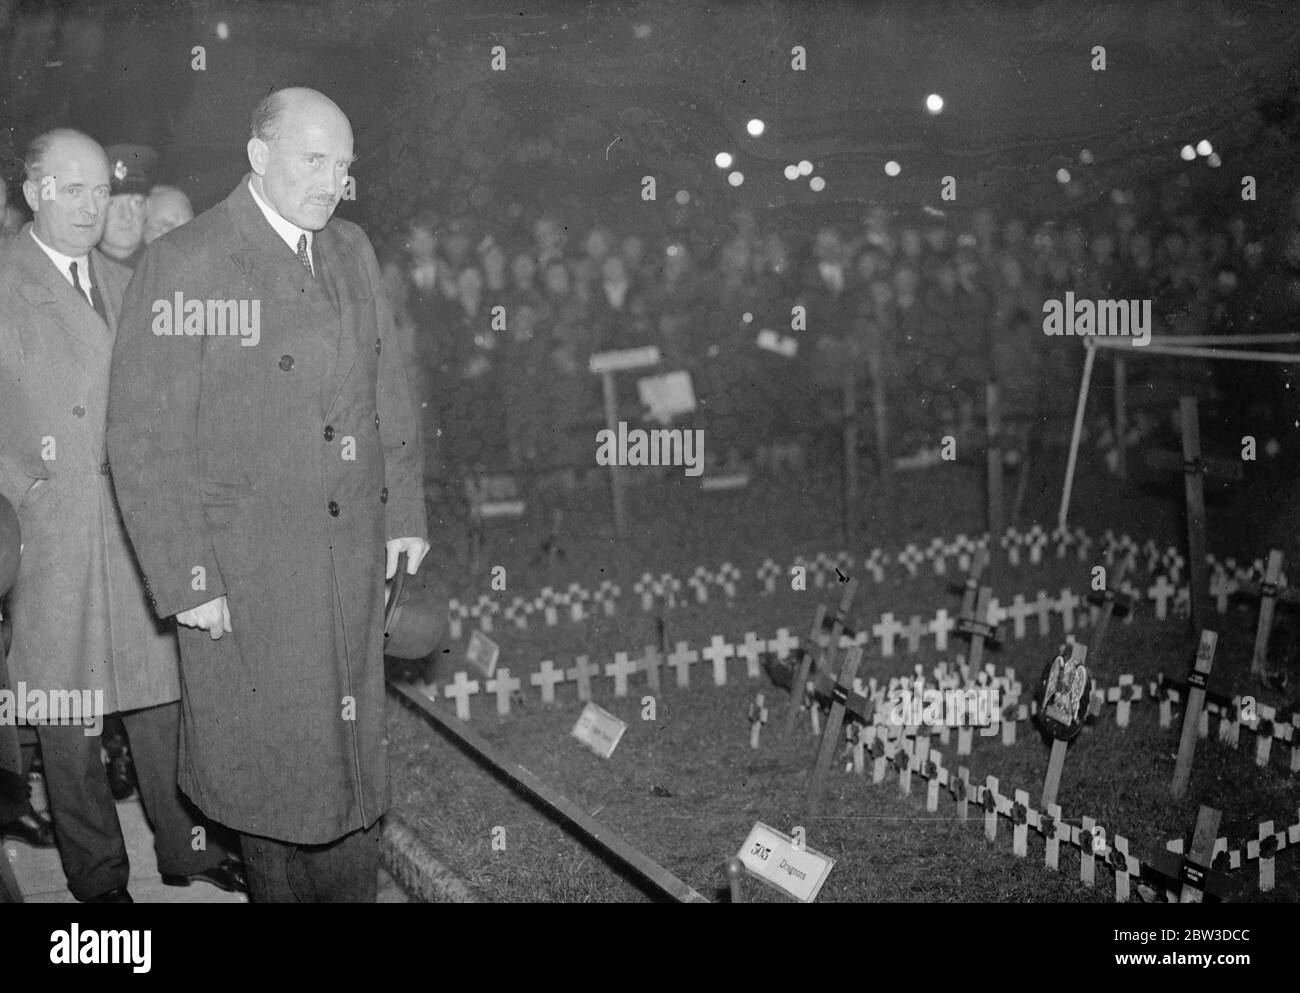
(40, 874)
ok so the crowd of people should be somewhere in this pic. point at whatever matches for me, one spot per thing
(500, 322)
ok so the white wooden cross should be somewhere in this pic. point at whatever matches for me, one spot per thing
(1123, 700)
(1265, 848)
(940, 627)
(620, 669)
(482, 612)
(910, 558)
(963, 547)
(767, 574)
(885, 631)
(548, 604)
(681, 660)
(1010, 542)
(783, 643)
(727, 576)
(751, 650)
(645, 588)
(582, 672)
(503, 685)
(1043, 607)
(546, 677)
(577, 597)
(1219, 588)
(1037, 541)
(1067, 605)
(936, 553)
(606, 593)
(1061, 538)
(1019, 612)
(514, 613)
(874, 564)
(1161, 593)
(668, 588)
(718, 652)
(822, 568)
(461, 689)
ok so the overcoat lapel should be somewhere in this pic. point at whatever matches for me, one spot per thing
(47, 290)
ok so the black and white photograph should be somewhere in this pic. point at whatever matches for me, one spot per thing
(652, 451)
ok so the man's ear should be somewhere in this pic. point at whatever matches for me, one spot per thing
(258, 151)
(32, 194)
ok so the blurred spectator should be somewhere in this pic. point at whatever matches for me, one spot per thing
(166, 208)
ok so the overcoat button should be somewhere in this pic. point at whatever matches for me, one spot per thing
(286, 362)
(383, 495)
(103, 469)
(329, 432)
(78, 411)
(334, 509)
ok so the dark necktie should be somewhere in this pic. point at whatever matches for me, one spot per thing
(95, 300)
(303, 257)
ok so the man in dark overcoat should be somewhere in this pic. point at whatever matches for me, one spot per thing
(81, 623)
(268, 463)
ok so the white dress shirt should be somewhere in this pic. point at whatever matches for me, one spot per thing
(287, 230)
(63, 262)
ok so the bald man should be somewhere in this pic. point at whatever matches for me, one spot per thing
(81, 624)
(167, 208)
(268, 461)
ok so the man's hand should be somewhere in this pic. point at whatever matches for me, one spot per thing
(415, 549)
(212, 617)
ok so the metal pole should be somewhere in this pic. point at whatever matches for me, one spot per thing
(1078, 432)
(615, 471)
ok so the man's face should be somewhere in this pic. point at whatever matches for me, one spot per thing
(305, 167)
(124, 228)
(164, 213)
(69, 198)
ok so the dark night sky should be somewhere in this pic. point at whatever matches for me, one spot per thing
(1021, 99)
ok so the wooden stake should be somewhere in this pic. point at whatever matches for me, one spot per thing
(1194, 484)
(617, 483)
(1055, 764)
(831, 733)
(1267, 599)
(1192, 716)
(826, 655)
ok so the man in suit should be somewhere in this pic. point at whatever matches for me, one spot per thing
(268, 461)
(80, 620)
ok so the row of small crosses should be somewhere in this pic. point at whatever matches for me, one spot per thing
(719, 651)
(908, 756)
(888, 630)
(1267, 723)
(576, 602)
